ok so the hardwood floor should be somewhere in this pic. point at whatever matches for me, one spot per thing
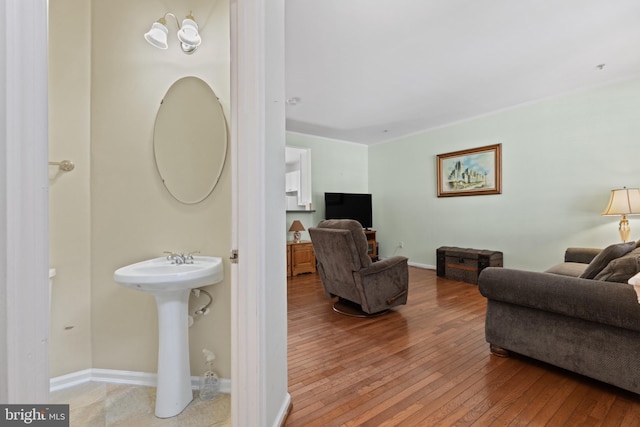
(427, 364)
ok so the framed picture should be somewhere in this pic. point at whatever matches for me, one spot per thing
(472, 172)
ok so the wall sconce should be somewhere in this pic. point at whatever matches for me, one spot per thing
(188, 34)
(625, 201)
(296, 227)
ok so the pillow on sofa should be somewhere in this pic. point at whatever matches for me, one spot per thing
(621, 269)
(607, 255)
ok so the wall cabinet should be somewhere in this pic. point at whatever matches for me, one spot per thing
(297, 179)
(300, 258)
(292, 182)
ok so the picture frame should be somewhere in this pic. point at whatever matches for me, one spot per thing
(471, 172)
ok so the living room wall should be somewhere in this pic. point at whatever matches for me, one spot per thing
(560, 159)
(335, 166)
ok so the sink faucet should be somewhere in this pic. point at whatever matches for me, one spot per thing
(181, 258)
(188, 259)
(176, 258)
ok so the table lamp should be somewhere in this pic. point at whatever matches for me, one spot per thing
(624, 201)
(296, 227)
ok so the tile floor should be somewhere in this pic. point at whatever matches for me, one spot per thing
(97, 404)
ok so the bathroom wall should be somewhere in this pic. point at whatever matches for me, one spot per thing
(107, 84)
(69, 192)
(133, 215)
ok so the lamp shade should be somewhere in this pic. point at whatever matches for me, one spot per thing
(188, 33)
(296, 226)
(157, 35)
(625, 201)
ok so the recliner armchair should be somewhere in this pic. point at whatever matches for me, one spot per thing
(347, 271)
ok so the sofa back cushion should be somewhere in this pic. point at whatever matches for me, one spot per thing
(572, 269)
(358, 236)
(607, 255)
(621, 269)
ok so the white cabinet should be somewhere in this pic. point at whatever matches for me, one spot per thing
(292, 181)
(298, 178)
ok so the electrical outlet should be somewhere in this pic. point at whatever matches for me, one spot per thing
(401, 244)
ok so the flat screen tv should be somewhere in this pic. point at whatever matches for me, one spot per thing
(349, 206)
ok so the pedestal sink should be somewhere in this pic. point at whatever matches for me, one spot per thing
(170, 283)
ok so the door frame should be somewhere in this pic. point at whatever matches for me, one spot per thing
(24, 210)
(24, 200)
(259, 380)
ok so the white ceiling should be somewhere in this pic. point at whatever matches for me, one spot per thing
(374, 70)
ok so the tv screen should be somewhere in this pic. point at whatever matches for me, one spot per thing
(349, 206)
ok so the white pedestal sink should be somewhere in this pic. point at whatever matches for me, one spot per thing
(171, 284)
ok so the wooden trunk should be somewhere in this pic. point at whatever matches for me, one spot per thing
(465, 264)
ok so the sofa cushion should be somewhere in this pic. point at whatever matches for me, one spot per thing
(608, 254)
(581, 255)
(621, 269)
(573, 269)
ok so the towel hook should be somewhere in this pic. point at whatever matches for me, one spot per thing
(65, 165)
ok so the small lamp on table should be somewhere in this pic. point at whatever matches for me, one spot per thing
(624, 201)
(296, 227)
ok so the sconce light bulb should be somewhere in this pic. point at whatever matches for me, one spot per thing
(188, 33)
(157, 36)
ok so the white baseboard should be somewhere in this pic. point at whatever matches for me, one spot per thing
(416, 264)
(70, 380)
(282, 413)
(427, 266)
(113, 376)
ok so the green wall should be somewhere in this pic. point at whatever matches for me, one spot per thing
(560, 158)
(335, 166)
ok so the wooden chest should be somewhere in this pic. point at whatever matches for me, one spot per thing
(465, 264)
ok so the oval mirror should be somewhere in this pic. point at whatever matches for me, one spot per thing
(190, 140)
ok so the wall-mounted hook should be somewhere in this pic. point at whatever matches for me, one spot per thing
(65, 165)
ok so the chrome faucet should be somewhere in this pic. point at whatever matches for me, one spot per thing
(188, 259)
(176, 258)
(181, 258)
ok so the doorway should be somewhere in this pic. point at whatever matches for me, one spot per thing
(24, 255)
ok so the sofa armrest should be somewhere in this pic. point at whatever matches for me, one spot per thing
(388, 274)
(385, 264)
(611, 303)
(581, 255)
(384, 284)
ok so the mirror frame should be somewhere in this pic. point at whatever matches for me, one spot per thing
(173, 121)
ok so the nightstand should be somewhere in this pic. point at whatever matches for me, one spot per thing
(300, 258)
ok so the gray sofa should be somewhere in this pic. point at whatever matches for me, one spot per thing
(590, 326)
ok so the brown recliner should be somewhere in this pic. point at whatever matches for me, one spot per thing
(347, 271)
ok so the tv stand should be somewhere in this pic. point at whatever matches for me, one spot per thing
(371, 242)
